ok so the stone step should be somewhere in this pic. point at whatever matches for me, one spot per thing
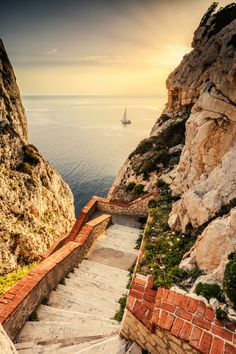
(108, 288)
(112, 257)
(49, 313)
(132, 230)
(32, 348)
(105, 309)
(120, 231)
(90, 293)
(98, 277)
(58, 348)
(114, 345)
(91, 266)
(130, 248)
(125, 238)
(48, 332)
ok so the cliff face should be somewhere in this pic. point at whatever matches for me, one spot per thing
(193, 147)
(36, 205)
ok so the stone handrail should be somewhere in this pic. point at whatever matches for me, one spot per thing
(22, 299)
(167, 319)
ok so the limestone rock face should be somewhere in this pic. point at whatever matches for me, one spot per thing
(201, 94)
(210, 252)
(36, 205)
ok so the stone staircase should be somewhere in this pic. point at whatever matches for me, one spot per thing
(78, 315)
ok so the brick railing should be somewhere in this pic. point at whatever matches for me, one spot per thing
(175, 315)
(64, 255)
(22, 299)
(137, 207)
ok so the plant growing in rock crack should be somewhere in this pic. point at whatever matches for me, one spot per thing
(119, 314)
(210, 291)
(165, 248)
(229, 281)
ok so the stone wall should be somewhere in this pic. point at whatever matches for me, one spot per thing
(22, 299)
(172, 319)
(158, 342)
(138, 207)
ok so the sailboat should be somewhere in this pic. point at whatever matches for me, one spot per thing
(124, 120)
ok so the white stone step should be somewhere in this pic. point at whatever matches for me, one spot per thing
(121, 231)
(132, 230)
(48, 332)
(91, 266)
(49, 313)
(98, 277)
(109, 289)
(130, 248)
(90, 293)
(32, 348)
(72, 349)
(114, 345)
(58, 348)
(105, 309)
(112, 257)
(126, 238)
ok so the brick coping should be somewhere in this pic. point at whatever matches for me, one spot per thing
(185, 317)
(84, 216)
(12, 298)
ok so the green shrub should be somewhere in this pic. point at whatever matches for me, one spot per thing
(7, 281)
(139, 241)
(119, 314)
(209, 291)
(229, 282)
(161, 184)
(138, 189)
(221, 314)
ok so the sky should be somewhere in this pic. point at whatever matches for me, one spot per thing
(98, 47)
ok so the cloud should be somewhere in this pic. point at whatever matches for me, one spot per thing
(54, 51)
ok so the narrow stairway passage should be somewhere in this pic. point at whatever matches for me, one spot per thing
(79, 314)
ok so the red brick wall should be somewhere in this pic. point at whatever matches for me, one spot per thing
(186, 318)
(137, 207)
(21, 300)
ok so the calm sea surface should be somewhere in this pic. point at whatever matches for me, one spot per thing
(83, 138)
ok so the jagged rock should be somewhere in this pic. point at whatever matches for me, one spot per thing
(202, 93)
(36, 205)
(211, 250)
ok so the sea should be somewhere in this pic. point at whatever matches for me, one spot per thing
(83, 139)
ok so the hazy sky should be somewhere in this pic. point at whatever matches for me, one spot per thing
(98, 47)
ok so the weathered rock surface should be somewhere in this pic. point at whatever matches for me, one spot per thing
(210, 252)
(36, 205)
(202, 93)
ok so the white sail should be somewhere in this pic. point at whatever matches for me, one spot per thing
(124, 120)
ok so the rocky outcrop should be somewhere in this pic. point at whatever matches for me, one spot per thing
(36, 205)
(210, 252)
(202, 172)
